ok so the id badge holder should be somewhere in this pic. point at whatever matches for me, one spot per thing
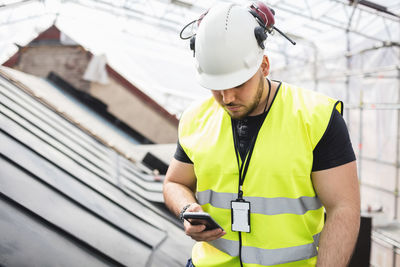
(240, 216)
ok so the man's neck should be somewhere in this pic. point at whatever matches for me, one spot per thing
(263, 106)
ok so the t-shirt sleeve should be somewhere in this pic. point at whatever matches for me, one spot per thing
(181, 155)
(334, 148)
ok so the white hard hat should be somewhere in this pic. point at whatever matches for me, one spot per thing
(227, 52)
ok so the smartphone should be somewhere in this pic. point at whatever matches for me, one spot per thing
(196, 218)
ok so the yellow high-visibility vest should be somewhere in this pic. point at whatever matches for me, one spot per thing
(286, 215)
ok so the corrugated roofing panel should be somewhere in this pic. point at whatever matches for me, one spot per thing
(58, 209)
(24, 237)
(83, 195)
(60, 187)
(72, 109)
(52, 118)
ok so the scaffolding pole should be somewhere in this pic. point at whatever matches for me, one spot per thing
(360, 131)
(397, 157)
(348, 67)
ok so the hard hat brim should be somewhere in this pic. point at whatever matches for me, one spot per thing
(229, 80)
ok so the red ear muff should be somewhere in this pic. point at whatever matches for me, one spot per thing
(264, 15)
(265, 18)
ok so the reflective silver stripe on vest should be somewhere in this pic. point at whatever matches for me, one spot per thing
(316, 239)
(268, 256)
(261, 205)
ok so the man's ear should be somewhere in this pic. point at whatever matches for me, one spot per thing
(265, 66)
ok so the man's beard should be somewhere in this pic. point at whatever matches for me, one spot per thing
(253, 106)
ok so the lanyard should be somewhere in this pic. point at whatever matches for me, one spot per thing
(244, 164)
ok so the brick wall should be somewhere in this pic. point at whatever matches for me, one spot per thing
(69, 62)
(134, 112)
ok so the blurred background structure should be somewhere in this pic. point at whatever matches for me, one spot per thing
(91, 92)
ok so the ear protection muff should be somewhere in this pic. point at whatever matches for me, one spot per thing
(193, 36)
(192, 43)
(262, 14)
(261, 36)
(265, 18)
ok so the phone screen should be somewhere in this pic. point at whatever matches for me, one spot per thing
(199, 221)
(199, 218)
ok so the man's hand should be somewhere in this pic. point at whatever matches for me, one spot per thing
(197, 232)
(179, 188)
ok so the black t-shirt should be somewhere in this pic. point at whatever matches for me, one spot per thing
(334, 148)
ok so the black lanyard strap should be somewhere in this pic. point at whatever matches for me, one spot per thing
(244, 165)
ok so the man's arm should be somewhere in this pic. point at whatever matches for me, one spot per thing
(179, 186)
(338, 190)
(179, 190)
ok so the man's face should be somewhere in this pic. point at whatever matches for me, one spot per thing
(243, 100)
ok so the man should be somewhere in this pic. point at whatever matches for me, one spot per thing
(263, 158)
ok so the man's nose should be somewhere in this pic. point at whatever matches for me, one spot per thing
(228, 96)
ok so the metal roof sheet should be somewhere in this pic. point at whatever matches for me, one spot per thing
(60, 187)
